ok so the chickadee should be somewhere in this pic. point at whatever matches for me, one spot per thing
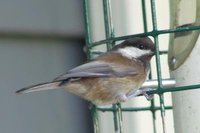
(112, 77)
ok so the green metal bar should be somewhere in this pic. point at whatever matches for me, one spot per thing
(120, 117)
(115, 117)
(89, 55)
(117, 113)
(150, 75)
(93, 109)
(158, 66)
(173, 89)
(144, 15)
(99, 52)
(153, 12)
(131, 109)
(163, 52)
(109, 29)
(178, 29)
(87, 28)
(153, 111)
(152, 107)
(151, 33)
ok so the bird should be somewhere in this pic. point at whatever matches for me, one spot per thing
(112, 77)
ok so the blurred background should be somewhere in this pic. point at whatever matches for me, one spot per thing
(39, 40)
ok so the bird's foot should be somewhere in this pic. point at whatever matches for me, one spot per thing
(121, 98)
(141, 91)
(144, 91)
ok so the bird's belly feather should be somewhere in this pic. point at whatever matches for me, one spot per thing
(104, 90)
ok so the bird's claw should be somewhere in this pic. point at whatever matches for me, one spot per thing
(144, 91)
(141, 91)
(121, 98)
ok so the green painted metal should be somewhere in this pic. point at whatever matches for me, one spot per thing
(158, 66)
(99, 52)
(109, 30)
(152, 107)
(173, 89)
(153, 111)
(144, 16)
(95, 119)
(89, 56)
(133, 109)
(87, 28)
(110, 40)
(151, 33)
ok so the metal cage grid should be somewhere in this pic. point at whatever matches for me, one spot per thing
(110, 41)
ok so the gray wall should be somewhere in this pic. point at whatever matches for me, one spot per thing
(28, 56)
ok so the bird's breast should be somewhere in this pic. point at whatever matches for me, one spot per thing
(105, 90)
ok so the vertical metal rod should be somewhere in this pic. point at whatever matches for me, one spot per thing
(115, 118)
(109, 29)
(160, 86)
(153, 115)
(95, 119)
(144, 16)
(119, 111)
(150, 75)
(88, 43)
(87, 27)
(158, 66)
(153, 108)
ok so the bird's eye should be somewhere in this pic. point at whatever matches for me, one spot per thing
(141, 46)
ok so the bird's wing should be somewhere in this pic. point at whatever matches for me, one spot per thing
(98, 69)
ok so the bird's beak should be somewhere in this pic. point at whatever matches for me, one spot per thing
(152, 53)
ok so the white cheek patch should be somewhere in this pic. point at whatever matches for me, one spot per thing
(132, 52)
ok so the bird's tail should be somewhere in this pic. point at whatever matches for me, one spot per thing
(40, 87)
